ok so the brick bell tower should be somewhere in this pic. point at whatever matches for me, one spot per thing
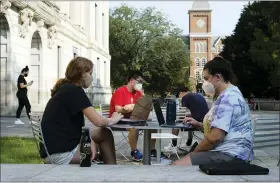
(200, 41)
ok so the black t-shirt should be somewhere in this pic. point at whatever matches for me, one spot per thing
(63, 119)
(21, 91)
(196, 104)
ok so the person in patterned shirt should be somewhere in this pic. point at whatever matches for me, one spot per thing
(227, 127)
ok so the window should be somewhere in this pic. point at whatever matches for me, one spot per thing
(201, 47)
(75, 52)
(196, 47)
(203, 62)
(197, 76)
(204, 47)
(96, 20)
(98, 71)
(197, 64)
(220, 48)
(105, 73)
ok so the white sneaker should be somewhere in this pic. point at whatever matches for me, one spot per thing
(169, 148)
(19, 122)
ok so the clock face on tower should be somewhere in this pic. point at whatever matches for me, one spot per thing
(200, 23)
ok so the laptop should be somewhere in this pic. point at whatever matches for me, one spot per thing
(140, 112)
(168, 124)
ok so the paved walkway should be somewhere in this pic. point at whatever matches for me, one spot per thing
(121, 173)
(8, 128)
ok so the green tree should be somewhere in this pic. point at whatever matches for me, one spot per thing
(254, 49)
(145, 40)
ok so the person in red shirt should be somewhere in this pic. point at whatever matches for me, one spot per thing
(123, 101)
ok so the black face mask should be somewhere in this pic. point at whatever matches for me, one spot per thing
(25, 75)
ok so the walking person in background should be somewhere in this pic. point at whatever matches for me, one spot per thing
(22, 95)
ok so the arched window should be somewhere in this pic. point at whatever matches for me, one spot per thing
(203, 62)
(220, 48)
(204, 46)
(197, 76)
(197, 62)
(200, 47)
(196, 47)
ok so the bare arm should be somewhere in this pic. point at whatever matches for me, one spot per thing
(96, 118)
(215, 137)
(22, 85)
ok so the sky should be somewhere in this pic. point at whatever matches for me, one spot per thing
(225, 14)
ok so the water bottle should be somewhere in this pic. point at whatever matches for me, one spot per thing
(85, 148)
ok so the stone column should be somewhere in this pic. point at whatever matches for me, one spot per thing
(98, 22)
(75, 12)
(87, 17)
(92, 21)
(105, 28)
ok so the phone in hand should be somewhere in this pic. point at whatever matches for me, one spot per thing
(30, 83)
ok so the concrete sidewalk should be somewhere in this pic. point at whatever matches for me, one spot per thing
(8, 128)
(121, 173)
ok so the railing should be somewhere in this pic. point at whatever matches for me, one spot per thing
(271, 105)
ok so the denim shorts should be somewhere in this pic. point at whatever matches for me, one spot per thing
(62, 158)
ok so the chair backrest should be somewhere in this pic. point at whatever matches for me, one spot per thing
(105, 110)
(35, 126)
(266, 132)
(35, 119)
(180, 115)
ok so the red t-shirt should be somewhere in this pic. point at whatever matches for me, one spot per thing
(122, 97)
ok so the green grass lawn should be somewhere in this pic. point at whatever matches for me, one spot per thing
(17, 150)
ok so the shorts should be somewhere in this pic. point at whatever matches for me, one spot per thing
(199, 158)
(62, 158)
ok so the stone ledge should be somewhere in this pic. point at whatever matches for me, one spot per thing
(120, 173)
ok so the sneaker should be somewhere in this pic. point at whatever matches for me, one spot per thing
(136, 155)
(154, 154)
(19, 122)
(169, 148)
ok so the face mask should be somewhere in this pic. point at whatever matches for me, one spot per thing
(25, 75)
(208, 87)
(87, 80)
(138, 87)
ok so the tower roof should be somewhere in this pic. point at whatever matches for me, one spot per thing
(200, 5)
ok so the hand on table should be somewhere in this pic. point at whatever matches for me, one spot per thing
(116, 117)
(193, 122)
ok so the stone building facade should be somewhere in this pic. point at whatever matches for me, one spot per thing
(46, 35)
(203, 46)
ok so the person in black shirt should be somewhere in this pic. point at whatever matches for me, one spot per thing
(63, 118)
(22, 95)
(198, 107)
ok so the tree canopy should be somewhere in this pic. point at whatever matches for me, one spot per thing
(146, 41)
(254, 49)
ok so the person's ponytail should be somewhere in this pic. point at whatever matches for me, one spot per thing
(25, 69)
(57, 85)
